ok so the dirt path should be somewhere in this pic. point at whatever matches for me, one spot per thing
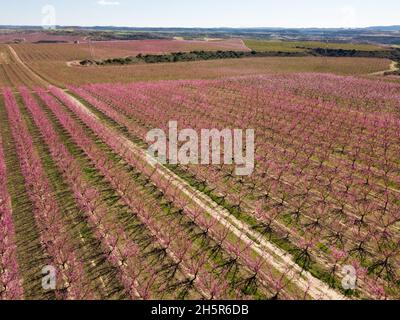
(274, 256)
(393, 67)
(28, 70)
(75, 63)
(244, 45)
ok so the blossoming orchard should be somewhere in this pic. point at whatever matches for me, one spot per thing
(219, 172)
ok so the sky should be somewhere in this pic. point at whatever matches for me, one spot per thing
(202, 13)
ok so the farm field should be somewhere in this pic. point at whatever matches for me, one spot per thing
(329, 201)
(114, 49)
(12, 72)
(51, 62)
(299, 46)
(206, 69)
(80, 195)
(36, 36)
(132, 230)
(109, 49)
(152, 241)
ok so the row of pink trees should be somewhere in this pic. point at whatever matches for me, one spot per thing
(10, 279)
(54, 239)
(136, 276)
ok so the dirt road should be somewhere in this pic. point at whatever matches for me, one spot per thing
(32, 74)
(393, 67)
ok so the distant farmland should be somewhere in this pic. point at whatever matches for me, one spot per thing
(51, 62)
(296, 46)
(107, 49)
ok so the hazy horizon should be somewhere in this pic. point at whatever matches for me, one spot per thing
(207, 14)
(194, 27)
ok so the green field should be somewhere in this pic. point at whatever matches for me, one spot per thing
(300, 46)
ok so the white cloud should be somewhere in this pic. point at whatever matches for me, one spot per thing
(108, 3)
